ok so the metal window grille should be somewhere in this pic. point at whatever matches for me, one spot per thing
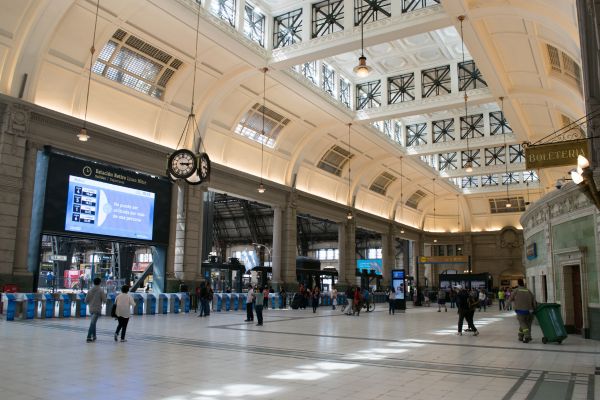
(530, 176)
(371, 10)
(287, 28)
(469, 182)
(327, 17)
(414, 200)
(471, 126)
(416, 134)
(495, 156)
(469, 76)
(498, 124)
(368, 95)
(329, 80)
(471, 155)
(382, 182)
(447, 161)
(345, 96)
(443, 130)
(516, 153)
(254, 25)
(412, 5)
(435, 81)
(510, 178)
(489, 180)
(309, 70)
(401, 88)
(224, 9)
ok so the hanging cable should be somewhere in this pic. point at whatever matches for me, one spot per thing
(469, 164)
(83, 135)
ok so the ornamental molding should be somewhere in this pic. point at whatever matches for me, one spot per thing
(16, 119)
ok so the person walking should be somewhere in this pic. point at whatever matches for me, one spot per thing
(265, 293)
(507, 294)
(392, 301)
(501, 298)
(259, 300)
(249, 304)
(452, 298)
(524, 303)
(334, 295)
(94, 299)
(464, 302)
(283, 296)
(124, 303)
(482, 299)
(315, 297)
(203, 294)
(357, 301)
(441, 300)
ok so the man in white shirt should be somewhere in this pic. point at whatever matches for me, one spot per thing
(249, 304)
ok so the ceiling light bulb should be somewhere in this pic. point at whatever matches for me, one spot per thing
(434, 240)
(468, 167)
(402, 231)
(349, 215)
(508, 205)
(261, 188)
(362, 70)
(576, 176)
(582, 162)
(83, 136)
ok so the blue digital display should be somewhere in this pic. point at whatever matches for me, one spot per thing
(105, 209)
(368, 265)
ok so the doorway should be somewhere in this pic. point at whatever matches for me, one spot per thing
(573, 299)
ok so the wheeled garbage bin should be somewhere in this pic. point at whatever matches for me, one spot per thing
(553, 328)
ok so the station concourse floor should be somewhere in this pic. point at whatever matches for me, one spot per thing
(295, 355)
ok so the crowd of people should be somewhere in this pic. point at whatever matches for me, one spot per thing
(257, 298)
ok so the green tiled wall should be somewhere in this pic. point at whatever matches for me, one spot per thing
(542, 250)
(579, 233)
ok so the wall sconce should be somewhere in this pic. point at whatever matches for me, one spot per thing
(584, 177)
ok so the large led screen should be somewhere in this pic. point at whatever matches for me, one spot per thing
(368, 265)
(107, 209)
(87, 198)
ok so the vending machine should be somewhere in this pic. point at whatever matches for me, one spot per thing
(399, 285)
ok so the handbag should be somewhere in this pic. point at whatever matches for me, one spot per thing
(113, 311)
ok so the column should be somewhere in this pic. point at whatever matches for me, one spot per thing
(188, 236)
(350, 252)
(388, 255)
(289, 248)
(342, 276)
(276, 249)
(14, 180)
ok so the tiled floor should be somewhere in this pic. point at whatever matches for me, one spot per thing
(295, 355)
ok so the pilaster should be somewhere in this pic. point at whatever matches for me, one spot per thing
(188, 235)
(289, 243)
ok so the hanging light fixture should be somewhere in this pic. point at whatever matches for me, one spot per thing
(349, 215)
(508, 204)
(458, 212)
(469, 164)
(401, 190)
(362, 70)
(434, 229)
(261, 187)
(83, 135)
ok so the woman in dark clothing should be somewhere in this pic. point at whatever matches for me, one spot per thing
(316, 295)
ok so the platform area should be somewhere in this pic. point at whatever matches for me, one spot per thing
(295, 355)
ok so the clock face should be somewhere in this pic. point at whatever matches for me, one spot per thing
(182, 164)
(204, 167)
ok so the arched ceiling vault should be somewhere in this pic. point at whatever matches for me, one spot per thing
(44, 52)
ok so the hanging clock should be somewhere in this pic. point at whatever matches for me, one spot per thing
(204, 167)
(194, 179)
(182, 164)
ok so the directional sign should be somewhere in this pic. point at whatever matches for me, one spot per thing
(443, 259)
(58, 257)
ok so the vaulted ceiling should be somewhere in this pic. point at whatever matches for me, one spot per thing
(409, 137)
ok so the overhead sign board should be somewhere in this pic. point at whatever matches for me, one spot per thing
(555, 154)
(443, 259)
(58, 257)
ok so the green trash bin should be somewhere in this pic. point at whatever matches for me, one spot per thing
(553, 328)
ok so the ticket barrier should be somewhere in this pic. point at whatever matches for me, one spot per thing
(110, 300)
(218, 302)
(163, 303)
(185, 302)
(138, 309)
(47, 306)
(28, 311)
(80, 305)
(326, 300)
(272, 300)
(64, 305)
(174, 304)
(227, 301)
(12, 306)
(235, 301)
(150, 304)
(243, 298)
